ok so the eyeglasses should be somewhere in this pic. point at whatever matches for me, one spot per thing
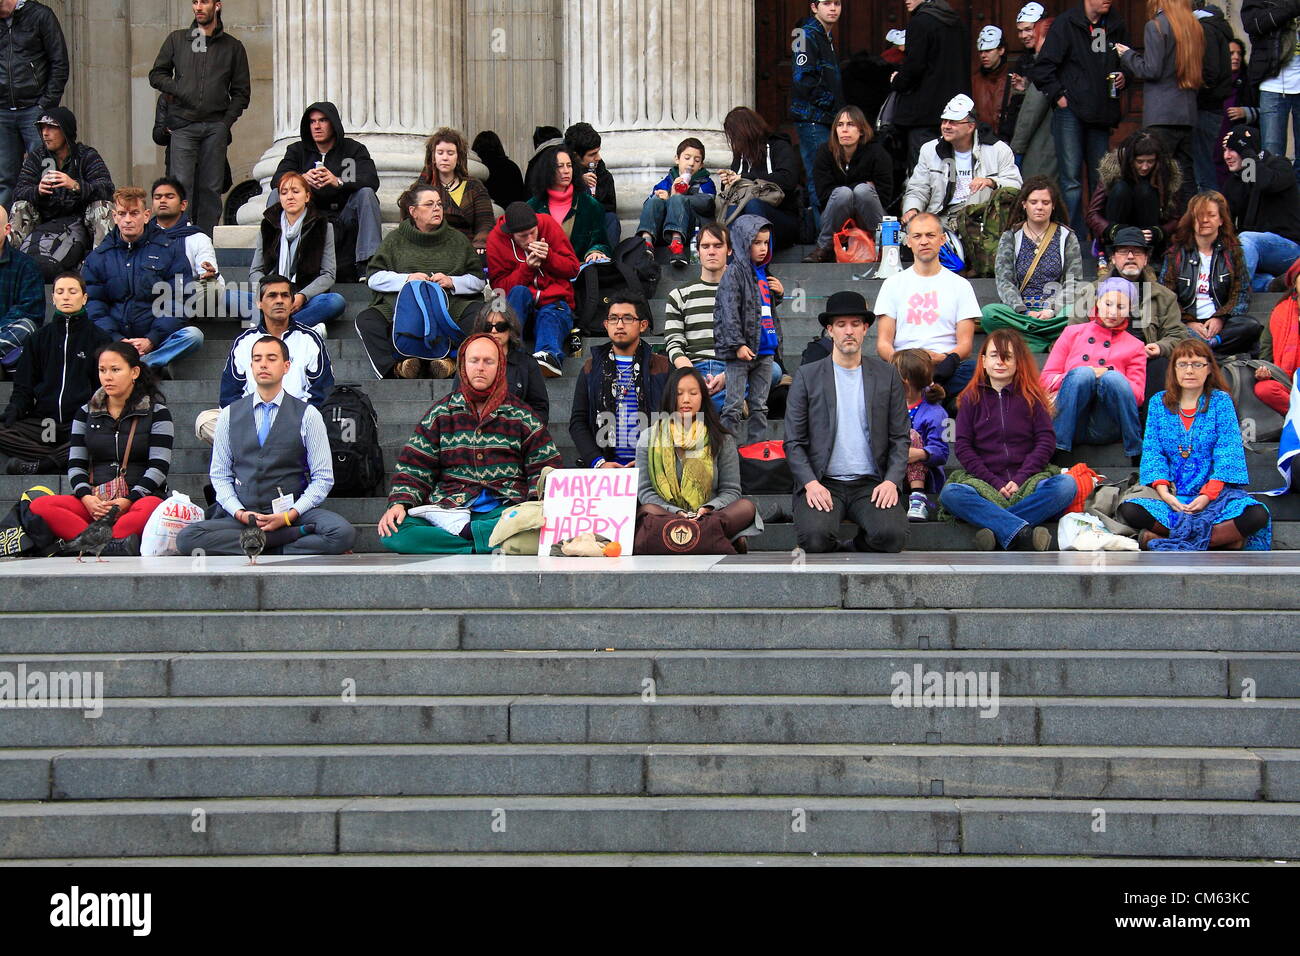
(622, 320)
(497, 327)
(432, 204)
(1191, 366)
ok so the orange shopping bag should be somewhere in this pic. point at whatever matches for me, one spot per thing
(853, 244)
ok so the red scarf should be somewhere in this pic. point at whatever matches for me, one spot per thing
(559, 202)
(1284, 325)
(486, 401)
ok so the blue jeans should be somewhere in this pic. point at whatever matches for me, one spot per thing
(812, 137)
(678, 213)
(708, 367)
(319, 308)
(1076, 144)
(1049, 500)
(1267, 255)
(1097, 411)
(960, 378)
(553, 321)
(181, 342)
(18, 135)
(1273, 111)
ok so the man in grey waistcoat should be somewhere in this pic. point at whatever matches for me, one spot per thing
(271, 466)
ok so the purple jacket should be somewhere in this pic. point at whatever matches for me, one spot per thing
(1000, 440)
(928, 419)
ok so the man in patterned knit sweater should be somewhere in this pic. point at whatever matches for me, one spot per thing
(478, 451)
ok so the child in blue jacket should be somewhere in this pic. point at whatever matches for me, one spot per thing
(684, 196)
(929, 451)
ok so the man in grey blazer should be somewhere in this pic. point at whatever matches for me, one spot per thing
(846, 438)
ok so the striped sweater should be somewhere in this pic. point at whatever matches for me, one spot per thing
(99, 442)
(451, 458)
(688, 322)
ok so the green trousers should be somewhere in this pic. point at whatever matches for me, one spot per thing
(1040, 334)
(417, 536)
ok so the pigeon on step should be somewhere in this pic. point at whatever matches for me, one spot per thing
(96, 537)
(253, 540)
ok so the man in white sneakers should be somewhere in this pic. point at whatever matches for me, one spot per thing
(927, 307)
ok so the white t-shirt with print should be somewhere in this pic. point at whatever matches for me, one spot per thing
(1204, 304)
(926, 309)
(965, 166)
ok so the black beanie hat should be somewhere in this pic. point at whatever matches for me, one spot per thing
(519, 217)
(1244, 141)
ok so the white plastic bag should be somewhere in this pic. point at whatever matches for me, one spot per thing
(1079, 531)
(166, 522)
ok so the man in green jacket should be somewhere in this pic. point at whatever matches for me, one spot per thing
(422, 247)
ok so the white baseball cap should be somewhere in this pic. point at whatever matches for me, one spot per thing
(1030, 13)
(990, 38)
(959, 108)
(897, 37)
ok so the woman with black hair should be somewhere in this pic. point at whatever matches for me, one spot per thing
(524, 378)
(579, 214)
(1241, 105)
(505, 183)
(688, 460)
(762, 156)
(120, 454)
(1137, 186)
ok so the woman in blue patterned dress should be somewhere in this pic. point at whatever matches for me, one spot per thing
(1192, 457)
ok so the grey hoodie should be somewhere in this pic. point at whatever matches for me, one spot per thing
(738, 307)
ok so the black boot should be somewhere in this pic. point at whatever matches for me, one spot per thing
(128, 547)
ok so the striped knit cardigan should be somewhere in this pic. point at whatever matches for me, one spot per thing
(451, 458)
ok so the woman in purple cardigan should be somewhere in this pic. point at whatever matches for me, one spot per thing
(1004, 442)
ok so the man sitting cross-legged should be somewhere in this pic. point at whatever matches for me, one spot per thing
(258, 456)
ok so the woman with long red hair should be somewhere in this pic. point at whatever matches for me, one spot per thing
(1170, 64)
(1005, 440)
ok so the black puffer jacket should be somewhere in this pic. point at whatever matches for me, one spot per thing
(1271, 203)
(936, 67)
(33, 58)
(1265, 22)
(1067, 65)
(779, 165)
(84, 164)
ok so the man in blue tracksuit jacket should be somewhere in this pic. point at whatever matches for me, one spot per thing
(137, 280)
(817, 93)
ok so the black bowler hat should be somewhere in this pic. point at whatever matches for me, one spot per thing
(846, 303)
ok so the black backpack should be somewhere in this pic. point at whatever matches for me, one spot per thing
(24, 533)
(57, 246)
(353, 429)
(632, 269)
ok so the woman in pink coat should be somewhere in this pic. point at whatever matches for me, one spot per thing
(1097, 374)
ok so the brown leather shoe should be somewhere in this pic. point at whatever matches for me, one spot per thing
(409, 368)
(442, 368)
(820, 255)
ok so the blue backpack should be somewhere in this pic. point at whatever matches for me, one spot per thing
(423, 326)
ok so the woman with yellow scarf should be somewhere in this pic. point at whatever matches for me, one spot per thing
(689, 463)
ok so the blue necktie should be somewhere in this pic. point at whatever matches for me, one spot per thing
(264, 428)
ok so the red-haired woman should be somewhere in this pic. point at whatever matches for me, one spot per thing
(1207, 271)
(1281, 345)
(1005, 440)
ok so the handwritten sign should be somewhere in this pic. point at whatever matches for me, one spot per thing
(599, 500)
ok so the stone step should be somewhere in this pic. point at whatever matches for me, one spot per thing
(821, 824)
(974, 631)
(369, 674)
(1113, 580)
(1084, 721)
(861, 770)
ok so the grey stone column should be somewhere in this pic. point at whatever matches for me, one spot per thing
(648, 73)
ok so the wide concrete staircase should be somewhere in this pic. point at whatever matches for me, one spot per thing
(401, 404)
(388, 706)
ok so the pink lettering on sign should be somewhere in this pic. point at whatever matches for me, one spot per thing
(923, 309)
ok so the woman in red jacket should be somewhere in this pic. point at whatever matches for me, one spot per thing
(1280, 345)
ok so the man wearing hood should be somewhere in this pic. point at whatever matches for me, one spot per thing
(935, 68)
(63, 179)
(204, 71)
(1265, 204)
(33, 74)
(344, 183)
(421, 247)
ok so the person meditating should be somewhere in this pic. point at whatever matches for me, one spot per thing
(1192, 456)
(688, 461)
(477, 451)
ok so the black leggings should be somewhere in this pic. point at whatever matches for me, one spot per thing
(1250, 521)
(1133, 205)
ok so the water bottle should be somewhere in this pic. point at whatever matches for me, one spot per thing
(591, 168)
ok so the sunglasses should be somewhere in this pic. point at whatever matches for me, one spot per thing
(497, 327)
